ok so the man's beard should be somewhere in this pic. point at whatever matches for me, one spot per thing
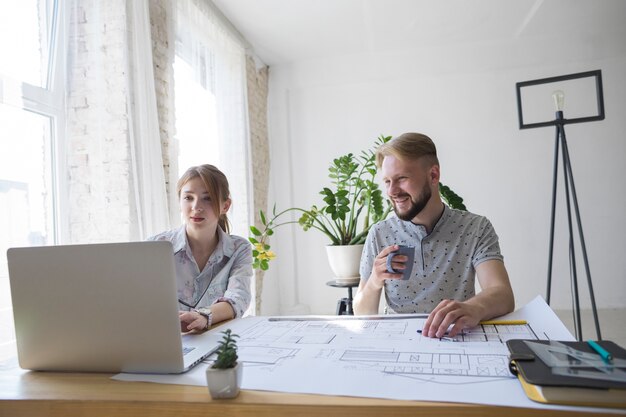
(416, 206)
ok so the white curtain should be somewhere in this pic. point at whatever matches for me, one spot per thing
(211, 117)
(145, 144)
(115, 177)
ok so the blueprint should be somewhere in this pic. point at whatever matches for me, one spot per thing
(381, 357)
(391, 346)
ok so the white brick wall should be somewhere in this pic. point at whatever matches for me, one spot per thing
(162, 28)
(257, 114)
(101, 205)
(98, 153)
(257, 88)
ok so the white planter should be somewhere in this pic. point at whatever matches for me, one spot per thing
(224, 383)
(344, 261)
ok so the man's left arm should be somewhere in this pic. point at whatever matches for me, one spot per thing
(495, 299)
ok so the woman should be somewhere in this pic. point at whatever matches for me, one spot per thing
(213, 268)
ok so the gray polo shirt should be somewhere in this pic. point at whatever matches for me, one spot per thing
(445, 259)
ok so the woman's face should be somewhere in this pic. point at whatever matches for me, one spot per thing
(196, 206)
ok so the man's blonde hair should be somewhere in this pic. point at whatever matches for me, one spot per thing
(408, 146)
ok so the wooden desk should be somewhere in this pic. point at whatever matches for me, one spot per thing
(33, 394)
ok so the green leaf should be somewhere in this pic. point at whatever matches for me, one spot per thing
(255, 231)
(451, 199)
(227, 351)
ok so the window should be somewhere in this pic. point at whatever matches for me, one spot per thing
(28, 59)
(30, 113)
(210, 103)
(196, 116)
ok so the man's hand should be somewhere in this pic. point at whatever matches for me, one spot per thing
(192, 321)
(495, 299)
(379, 269)
(368, 295)
(462, 314)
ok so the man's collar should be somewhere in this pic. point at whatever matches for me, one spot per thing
(441, 215)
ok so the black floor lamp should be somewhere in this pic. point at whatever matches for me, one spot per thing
(531, 98)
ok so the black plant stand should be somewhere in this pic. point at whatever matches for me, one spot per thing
(344, 305)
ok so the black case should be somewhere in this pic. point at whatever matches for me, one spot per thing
(522, 361)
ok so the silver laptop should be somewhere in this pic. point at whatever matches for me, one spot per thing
(101, 308)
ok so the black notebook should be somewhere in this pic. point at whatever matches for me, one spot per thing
(569, 372)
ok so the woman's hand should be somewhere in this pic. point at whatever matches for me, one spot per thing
(192, 321)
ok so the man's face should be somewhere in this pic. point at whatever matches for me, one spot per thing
(408, 185)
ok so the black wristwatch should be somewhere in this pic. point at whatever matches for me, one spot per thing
(206, 312)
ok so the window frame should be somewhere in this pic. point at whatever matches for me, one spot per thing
(49, 101)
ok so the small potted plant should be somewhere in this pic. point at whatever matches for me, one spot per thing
(224, 375)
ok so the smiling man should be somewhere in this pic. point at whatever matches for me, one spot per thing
(452, 248)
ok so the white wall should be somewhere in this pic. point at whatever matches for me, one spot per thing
(462, 96)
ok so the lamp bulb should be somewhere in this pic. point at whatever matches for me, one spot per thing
(559, 98)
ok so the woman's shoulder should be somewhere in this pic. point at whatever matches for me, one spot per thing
(239, 241)
(235, 246)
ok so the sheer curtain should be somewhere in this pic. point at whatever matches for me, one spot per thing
(210, 89)
(145, 144)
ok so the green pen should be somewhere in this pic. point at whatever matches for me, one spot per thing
(606, 356)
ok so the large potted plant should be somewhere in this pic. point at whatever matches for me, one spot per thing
(224, 375)
(351, 206)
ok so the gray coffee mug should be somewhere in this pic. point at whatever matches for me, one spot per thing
(407, 251)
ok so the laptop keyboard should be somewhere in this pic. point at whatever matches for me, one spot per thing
(187, 349)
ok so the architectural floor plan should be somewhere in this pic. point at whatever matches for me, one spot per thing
(381, 357)
(387, 345)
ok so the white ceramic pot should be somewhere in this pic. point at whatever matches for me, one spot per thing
(344, 261)
(224, 383)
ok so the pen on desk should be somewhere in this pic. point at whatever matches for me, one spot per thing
(448, 339)
(606, 356)
(504, 322)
